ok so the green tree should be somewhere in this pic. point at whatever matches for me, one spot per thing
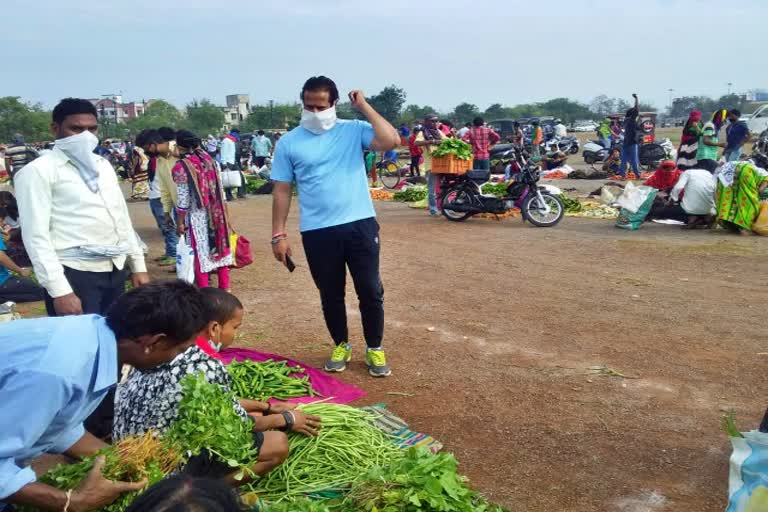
(29, 120)
(389, 102)
(157, 114)
(495, 111)
(272, 116)
(203, 117)
(413, 113)
(565, 109)
(464, 112)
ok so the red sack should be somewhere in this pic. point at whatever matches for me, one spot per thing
(241, 247)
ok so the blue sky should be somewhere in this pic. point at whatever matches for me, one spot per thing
(441, 52)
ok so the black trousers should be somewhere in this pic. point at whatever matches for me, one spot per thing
(97, 291)
(20, 289)
(330, 251)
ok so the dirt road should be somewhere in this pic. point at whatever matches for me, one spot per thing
(509, 378)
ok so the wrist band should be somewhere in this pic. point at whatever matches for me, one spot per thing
(277, 239)
(289, 421)
(69, 500)
(282, 233)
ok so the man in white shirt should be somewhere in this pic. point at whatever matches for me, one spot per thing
(698, 189)
(76, 227)
(229, 159)
(560, 130)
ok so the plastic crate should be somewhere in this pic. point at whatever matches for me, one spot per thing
(449, 164)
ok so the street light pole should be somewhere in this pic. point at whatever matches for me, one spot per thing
(729, 88)
(271, 106)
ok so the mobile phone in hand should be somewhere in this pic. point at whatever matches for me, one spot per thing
(289, 263)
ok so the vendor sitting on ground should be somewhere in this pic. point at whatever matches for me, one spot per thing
(18, 288)
(149, 398)
(553, 158)
(664, 180)
(612, 164)
(9, 216)
(698, 201)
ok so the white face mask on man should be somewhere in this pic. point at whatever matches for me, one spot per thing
(79, 148)
(319, 122)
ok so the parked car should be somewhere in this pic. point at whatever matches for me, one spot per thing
(758, 120)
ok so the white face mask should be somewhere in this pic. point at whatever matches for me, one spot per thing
(79, 148)
(319, 122)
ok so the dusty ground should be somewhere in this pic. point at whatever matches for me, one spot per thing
(520, 315)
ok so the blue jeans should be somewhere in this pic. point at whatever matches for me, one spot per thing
(605, 142)
(169, 232)
(732, 154)
(431, 196)
(630, 155)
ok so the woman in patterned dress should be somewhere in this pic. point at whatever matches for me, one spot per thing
(201, 210)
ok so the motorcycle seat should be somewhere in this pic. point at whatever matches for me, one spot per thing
(479, 176)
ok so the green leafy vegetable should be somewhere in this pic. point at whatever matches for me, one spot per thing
(268, 379)
(208, 421)
(417, 482)
(496, 189)
(456, 147)
(410, 194)
(130, 460)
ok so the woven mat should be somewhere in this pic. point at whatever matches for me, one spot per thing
(394, 426)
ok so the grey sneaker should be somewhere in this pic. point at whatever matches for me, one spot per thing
(339, 358)
(377, 363)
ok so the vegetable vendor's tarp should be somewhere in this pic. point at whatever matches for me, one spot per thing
(334, 390)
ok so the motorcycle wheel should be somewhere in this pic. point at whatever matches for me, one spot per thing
(574, 150)
(455, 196)
(532, 209)
(589, 158)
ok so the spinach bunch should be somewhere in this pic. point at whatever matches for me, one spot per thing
(456, 147)
(417, 482)
(208, 421)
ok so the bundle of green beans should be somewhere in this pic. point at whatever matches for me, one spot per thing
(347, 445)
(268, 379)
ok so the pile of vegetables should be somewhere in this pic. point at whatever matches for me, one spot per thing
(571, 205)
(496, 189)
(208, 421)
(381, 195)
(254, 184)
(594, 210)
(411, 194)
(129, 460)
(460, 149)
(347, 445)
(268, 379)
(417, 482)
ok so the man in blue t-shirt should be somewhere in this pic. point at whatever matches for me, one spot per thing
(737, 135)
(324, 157)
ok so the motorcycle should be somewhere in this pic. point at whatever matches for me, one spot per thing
(651, 154)
(462, 195)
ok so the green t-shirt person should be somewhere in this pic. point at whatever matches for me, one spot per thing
(706, 152)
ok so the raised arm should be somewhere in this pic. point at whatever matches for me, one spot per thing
(385, 136)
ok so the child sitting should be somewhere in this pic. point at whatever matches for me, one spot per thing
(149, 398)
